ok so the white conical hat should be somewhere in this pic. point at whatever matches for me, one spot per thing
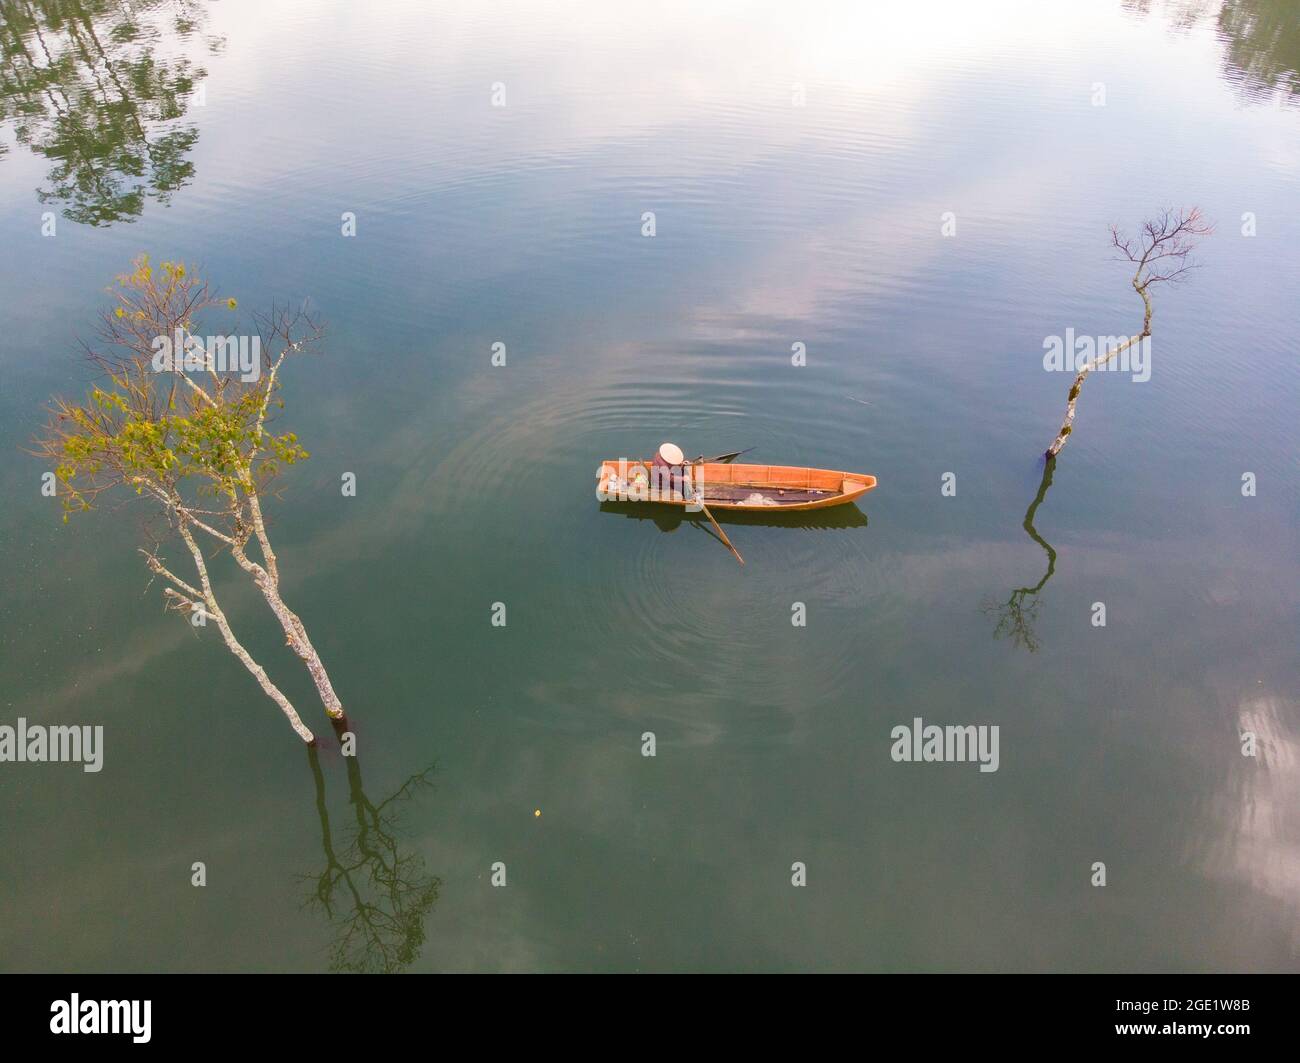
(671, 453)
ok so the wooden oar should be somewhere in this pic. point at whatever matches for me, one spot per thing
(699, 497)
(717, 527)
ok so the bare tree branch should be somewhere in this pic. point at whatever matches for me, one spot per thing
(1169, 238)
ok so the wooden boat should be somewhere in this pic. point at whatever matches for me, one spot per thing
(749, 488)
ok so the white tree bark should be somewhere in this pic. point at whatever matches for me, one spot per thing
(210, 605)
(294, 632)
(268, 578)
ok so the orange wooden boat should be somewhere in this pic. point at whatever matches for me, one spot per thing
(751, 488)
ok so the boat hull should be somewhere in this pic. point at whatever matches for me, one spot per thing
(742, 488)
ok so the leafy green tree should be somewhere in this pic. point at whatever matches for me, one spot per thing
(194, 442)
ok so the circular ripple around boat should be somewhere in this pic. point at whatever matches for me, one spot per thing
(701, 622)
(662, 600)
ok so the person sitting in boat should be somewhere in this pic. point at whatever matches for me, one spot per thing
(668, 473)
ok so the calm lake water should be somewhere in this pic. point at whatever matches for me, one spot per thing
(799, 161)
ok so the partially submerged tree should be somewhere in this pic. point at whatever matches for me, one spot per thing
(1162, 253)
(192, 440)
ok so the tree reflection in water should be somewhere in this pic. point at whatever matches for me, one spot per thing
(1018, 614)
(1261, 39)
(89, 85)
(375, 895)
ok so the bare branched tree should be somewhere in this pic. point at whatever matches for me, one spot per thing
(191, 440)
(1161, 253)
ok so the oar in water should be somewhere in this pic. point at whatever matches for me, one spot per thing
(699, 497)
(717, 527)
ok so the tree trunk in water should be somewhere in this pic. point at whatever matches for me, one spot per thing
(1067, 426)
(294, 632)
(233, 644)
